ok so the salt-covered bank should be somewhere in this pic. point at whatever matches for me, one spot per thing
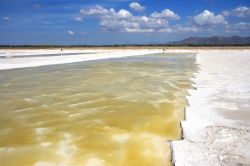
(20, 58)
(217, 126)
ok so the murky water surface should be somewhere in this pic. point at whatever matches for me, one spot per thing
(118, 112)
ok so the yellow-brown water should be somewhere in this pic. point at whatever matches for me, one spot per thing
(118, 112)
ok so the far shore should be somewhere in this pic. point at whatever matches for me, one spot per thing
(11, 58)
(122, 47)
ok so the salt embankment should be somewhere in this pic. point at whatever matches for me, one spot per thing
(217, 126)
(13, 58)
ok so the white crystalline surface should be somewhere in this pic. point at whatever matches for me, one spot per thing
(20, 58)
(217, 126)
(10, 59)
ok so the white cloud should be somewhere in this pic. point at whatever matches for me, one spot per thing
(124, 13)
(241, 11)
(157, 22)
(79, 18)
(135, 24)
(166, 13)
(209, 18)
(124, 21)
(6, 18)
(160, 21)
(97, 10)
(225, 13)
(241, 26)
(137, 7)
(238, 28)
(70, 32)
(187, 29)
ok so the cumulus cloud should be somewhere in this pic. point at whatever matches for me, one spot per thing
(97, 10)
(135, 24)
(242, 26)
(6, 18)
(241, 11)
(70, 32)
(124, 21)
(209, 18)
(160, 21)
(239, 27)
(166, 13)
(123, 14)
(137, 7)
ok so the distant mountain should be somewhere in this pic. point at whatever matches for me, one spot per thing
(215, 40)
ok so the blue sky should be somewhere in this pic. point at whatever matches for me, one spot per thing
(119, 21)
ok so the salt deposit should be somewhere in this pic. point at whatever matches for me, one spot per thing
(217, 126)
(12, 60)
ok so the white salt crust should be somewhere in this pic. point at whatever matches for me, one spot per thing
(217, 126)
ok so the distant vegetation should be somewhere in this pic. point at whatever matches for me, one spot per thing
(215, 41)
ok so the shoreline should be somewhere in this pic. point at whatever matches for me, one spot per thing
(88, 55)
(124, 47)
(12, 60)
